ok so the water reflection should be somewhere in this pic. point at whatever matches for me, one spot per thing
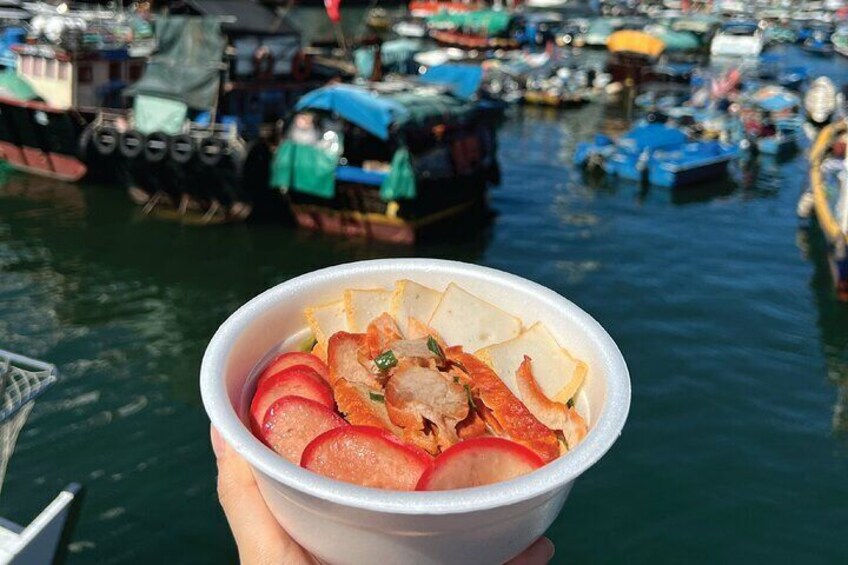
(832, 322)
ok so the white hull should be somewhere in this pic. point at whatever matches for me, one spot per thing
(736, 46)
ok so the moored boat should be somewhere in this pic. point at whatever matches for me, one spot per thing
(737, 40)
(385, 162)
(693, 163)
(481, 29)
(828, 198)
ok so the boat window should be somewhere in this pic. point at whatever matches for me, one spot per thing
(64, 69)
(26, 65)
(115, 71)
(85, 74)
(38, 67)
(52, 71)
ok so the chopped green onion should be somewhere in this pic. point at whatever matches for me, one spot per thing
(386, 360)
(470, 398)
(570, 403)
(308, 344)
(434, 346)
(377, 397)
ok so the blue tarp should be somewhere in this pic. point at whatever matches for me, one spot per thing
(372, 113)
(778, 102)
(463, 80)
(652, 136)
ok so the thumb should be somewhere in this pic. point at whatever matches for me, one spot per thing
(260, 539)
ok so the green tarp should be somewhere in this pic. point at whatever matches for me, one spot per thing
(304, 168)
(14, 87)
(159, 114)
(487, 22)
(187, 63)
(400, 184)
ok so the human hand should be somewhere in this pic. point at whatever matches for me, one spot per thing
(262, 541)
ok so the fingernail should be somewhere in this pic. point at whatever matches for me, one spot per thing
(218, 445)
(549, 549)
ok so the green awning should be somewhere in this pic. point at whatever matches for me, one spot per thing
(159, 114)
(14, 87)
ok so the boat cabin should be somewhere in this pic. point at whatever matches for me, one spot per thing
(67, 79)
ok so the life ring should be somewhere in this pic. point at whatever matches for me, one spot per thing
(210, 151)
(132, 144)
(182, 149)
(263, 63)
(156, 147)
(301, 67)
(106, 140)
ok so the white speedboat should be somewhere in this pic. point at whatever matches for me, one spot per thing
(737, 39)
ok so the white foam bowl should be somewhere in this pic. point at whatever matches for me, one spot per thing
(341, 523)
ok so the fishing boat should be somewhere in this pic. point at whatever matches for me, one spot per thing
(693, 163)
(389, 161)
(827, 199)
(792, 78)
(481, 29)
(819, 43)
(201, 124)
(840, 41)
(737, 39)
(72, 66)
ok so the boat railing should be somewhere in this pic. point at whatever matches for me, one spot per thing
(824, 212)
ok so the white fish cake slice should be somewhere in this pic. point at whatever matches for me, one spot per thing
(558, 374)
(363, 306)
(412, 300)
(463, 319)
(326, 320)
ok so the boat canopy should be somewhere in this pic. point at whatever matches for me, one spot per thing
(378, 113)
(651, 137)
(16, 88)
(373, 113)
(187, 64)
(487, 22)
(638, 42)
(463, 79)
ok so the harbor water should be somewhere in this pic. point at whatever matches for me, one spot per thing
(736, 449)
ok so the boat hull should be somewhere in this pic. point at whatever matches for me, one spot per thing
(660, 174)
(41, 140)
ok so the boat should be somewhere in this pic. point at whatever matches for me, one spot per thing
(628, 156)
(632, 56)
(737, 39)
(425, 8)
(828, 198)
(44, 540)
(819, 43)
(481, 29)
(73, 65)
(792, 78)
(675, 41)
(840, 41)
(598, 32)
(693, 163)
(387, 161)
(202, 121)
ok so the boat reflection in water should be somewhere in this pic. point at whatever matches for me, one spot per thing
(832, 321)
